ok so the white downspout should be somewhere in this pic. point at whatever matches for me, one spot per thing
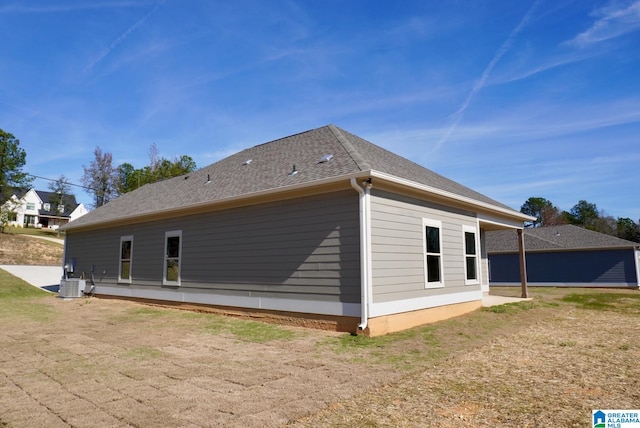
(365, 250)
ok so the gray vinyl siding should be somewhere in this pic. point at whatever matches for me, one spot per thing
(600, 267)
(306, 248)
(397, 247)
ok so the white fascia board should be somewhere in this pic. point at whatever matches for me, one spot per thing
(315, 183)
(244, 196)
(450, 195)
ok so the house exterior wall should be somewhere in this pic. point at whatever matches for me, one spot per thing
(597, 268)
(299, 255)
(28, 209)
(398, 254)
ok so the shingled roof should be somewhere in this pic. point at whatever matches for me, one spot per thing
(319, 155)
(553, 238)
(68, 201)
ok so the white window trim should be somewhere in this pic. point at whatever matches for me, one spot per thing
(167, 235)
(476, 234)
(120, 279)
(432, 223)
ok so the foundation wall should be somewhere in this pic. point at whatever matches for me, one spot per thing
(375, 327)
(297, 319)
(391, 323)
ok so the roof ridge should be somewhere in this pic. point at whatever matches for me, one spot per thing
(539, 238)
(357, 158)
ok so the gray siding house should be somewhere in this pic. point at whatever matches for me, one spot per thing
(565, 256)
(321, 228)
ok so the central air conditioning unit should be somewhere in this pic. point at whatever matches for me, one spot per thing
(72, 287)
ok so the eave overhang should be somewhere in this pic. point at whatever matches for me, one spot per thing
(286, 192)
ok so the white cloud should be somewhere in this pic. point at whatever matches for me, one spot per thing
(481, 83)
(613, 21)
(120, 39)
(55, 8)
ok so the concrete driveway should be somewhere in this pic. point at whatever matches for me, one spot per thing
(45, 277)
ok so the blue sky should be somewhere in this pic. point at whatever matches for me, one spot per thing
(511, 98)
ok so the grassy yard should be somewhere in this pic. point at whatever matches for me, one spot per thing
(546, 362)
(33, 231)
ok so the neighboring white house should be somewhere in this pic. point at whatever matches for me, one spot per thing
(37, 208)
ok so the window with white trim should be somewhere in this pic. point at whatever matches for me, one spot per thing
(470, 255)
(126, 255)
(172, 252)
(433, 253)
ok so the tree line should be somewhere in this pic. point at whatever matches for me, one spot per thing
(101, 178)
(584, 214)
(107, 182)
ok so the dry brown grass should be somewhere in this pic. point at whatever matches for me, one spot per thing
(92, 362)
(551, 364)
(28, 250)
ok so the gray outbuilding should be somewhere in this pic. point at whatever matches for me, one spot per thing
(563, 256)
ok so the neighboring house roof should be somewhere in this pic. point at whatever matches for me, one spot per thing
(52, 198)
(553, 238)
(266, 168)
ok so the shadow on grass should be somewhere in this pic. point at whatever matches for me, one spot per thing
(619, 302)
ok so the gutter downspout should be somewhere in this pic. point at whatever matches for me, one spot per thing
(365, 250)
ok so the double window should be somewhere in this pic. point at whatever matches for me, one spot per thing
(172, 252)
(126, 252)
(433, 253)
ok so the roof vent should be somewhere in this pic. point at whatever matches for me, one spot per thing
(326, 158)
(208, 179)
(247, 162)
(294, 171)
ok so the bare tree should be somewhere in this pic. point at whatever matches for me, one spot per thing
(61, 190)
(100, 177)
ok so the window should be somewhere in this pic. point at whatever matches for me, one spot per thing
(433, 253)
(31, 206)
(61, 208)
(470, 256)
(172, 250)
(126, 251)
(47, 206)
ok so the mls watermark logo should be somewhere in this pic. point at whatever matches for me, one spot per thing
(616, 418)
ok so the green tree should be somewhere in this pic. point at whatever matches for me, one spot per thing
(605, 224)
(12, 160)
(628, 229)
(583, 214)
(100, 177)
(129, 178)
(545, 212)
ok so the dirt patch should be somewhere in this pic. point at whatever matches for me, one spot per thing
(28, 250)
(94, 362)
